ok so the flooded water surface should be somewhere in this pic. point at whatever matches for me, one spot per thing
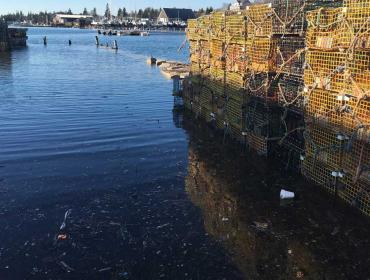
(101, 177)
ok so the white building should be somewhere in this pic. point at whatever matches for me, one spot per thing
(239, 5)
(61, 19)
(168, 15)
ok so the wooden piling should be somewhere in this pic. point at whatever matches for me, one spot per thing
(115, 45)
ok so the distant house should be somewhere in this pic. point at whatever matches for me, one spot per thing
(239, 5)
(72, 20)
(168, 15)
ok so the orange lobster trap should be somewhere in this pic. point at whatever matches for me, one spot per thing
(338, 71)
(191, 30)
(257, 143)
(356, 158)
(290, 55)
(261, 54)
(259, 20)
(200, 52)
(355, 192)
(280, 17)
(357, 117)
(319, 173)
(199, 69)
(235, 82)
(326, 108)
(290, 92)
(236, 27)
(325, 145)
(261, 85)
(234, 115)
(358, 14)
(335, 29)
(218, 26)
(236, 59)
(218, 56)
(203, 27)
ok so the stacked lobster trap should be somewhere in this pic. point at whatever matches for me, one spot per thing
(243, 58)
(337, 92)
(218, 68)
(275, 55)
(290, 79)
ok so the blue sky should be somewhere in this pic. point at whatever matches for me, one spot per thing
(78, 5)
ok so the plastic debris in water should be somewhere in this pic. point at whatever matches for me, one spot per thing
(286, 194)
(62, 237)
(64, 224)
(66, 266)
(163, 226)
(260, 225)
(105, 269)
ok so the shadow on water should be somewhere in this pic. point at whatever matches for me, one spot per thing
(5, 67)
(238, 193)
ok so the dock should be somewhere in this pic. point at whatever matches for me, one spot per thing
(128, 32)
(171, 69)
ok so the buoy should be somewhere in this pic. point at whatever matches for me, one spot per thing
(97, 40)
(69, 42)
(45, 41)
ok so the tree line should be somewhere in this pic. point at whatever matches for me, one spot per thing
(47, 17)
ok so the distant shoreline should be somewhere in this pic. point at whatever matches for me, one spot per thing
(99, 28)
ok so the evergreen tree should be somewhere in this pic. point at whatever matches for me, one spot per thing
(209, 10)
(69, 12)
(140, 13)
(124, 12)
(94, 13)
(107, 13)
(85, 12)
(120, 14)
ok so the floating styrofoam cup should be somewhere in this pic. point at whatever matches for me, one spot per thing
(286, 194)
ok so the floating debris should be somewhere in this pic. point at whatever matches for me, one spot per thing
(286, 194)
(261, 226)
(105, 269)
(66, 267)
(64, 224)
(163, 226)
(62, 237)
